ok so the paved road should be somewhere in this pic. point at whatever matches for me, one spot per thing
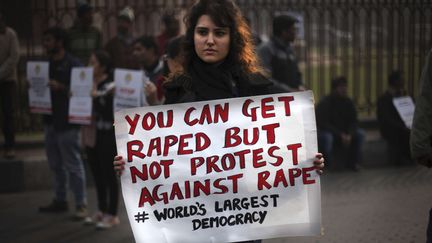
(375, 205)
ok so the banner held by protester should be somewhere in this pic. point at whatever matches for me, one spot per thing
(222, 170)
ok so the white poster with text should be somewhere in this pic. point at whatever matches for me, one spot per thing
(129, 88)
(39, 91)
(221, 171)
(81, 102)
(405, 107)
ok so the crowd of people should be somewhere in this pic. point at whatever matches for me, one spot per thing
(81, 45)
(215, 59)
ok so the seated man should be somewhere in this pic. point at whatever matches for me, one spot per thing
(337, 125)
(391, 125)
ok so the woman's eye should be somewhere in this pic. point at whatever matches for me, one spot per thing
(220, 33)
(202, 32)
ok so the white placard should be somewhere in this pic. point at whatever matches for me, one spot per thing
(221, 171)
(80, 103)
(39, 91)
(405, 107)
(129, 88)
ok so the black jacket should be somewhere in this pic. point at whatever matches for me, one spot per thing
(61, 72)
(390, 122)
(103, 105)
(337, 115)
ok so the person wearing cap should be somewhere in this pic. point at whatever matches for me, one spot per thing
(278, 58)
(121, 46)
(9, 56)
(337, 125)
(83, 37)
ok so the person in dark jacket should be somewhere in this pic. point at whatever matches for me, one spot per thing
(421, 131)
(9, 56)
(392, 127)
(337, 125)
(278, 57)
(121, 45)
(145, 51)
(83, 37)
(219, 61)
(100, 155)
(62, 137)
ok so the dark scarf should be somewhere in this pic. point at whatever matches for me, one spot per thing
(213, 82)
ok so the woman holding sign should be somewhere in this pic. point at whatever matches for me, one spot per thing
(220, 61)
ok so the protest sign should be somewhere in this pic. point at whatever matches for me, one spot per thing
(405, 107)
(129, 88)
(221, 171)
(39, 91)
(80, 103)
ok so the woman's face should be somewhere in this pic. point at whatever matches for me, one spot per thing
(97, 68)
(212, 43)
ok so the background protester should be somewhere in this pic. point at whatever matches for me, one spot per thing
(170, 29)
(121, 46)
(61, 137)
(391, 125)
(174, 57)
(277, 55)
(337, 125)
(100, 156)
(147, 54)
(9, 56)
(83, 37)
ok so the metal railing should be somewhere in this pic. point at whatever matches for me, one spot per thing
(363, 40)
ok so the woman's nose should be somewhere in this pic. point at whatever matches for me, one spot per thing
(210, 39)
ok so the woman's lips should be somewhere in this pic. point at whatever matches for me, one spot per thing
(209, 51)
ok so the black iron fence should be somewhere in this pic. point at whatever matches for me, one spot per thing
(363, 40)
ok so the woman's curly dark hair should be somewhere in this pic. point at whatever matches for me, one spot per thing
(224, 13)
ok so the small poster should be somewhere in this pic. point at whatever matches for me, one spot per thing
(405, 107)
(80, 104)
(129, 87)
(39, 91)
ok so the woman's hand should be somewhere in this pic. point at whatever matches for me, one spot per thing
(93, 92)
(319, 163)
(150, 91)
(119, 165)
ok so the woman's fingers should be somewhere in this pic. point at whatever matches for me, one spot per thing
(319, 163)
(118, 165)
